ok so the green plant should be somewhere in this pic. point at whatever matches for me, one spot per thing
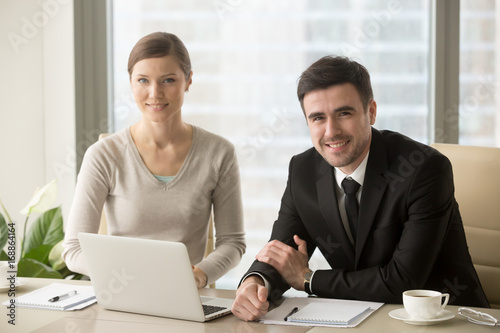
(41, 244)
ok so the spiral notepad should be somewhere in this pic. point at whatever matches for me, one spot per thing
(329, 313)
(39, 299)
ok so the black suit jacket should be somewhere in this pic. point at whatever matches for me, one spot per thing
(410, 233)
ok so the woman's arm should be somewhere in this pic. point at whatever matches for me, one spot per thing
(228, 219)
(90, 194)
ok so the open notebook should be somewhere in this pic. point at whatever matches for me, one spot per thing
(329, 313)
(39, 298)
(316, 311)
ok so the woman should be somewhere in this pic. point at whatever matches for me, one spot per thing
(161, 177)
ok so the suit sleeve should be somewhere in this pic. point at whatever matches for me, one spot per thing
(285, 227)
(427, 207)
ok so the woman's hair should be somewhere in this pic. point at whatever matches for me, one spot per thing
(157, 45)
(329, 71)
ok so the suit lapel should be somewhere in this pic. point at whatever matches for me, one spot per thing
(374, 186)
(327, 200)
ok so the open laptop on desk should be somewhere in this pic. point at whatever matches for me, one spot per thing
(146, 276)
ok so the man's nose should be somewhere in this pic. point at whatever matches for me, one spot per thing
(332, 128)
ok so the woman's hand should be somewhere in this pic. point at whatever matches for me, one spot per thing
(200, 277)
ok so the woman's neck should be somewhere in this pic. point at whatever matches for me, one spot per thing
(162, 134)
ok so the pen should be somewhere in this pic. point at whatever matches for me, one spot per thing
(63, 296)
(295, 309)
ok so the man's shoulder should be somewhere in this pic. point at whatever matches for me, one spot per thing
(397, 144)
(404, 153)
(307, 157)
(307, 164)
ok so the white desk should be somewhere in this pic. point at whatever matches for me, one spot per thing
(94, 319)
(381, 322)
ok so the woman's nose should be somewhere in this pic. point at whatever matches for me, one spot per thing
(155, 91)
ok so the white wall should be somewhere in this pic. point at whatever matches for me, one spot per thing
(37, 92)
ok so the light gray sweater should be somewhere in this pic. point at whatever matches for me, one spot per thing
(136, 204)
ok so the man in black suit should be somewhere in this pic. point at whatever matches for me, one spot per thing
(407, 232)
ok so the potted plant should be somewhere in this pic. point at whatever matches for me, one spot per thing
(40, 253)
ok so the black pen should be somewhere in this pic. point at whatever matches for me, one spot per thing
(295, 309)
(63, 296)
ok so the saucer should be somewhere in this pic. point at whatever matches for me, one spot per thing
(19, 282)
(401, 314)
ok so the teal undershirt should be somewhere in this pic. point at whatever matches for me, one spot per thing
(164, 179)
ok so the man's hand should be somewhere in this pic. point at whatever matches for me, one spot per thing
(290, 263)
(251, 299)
(200, 277)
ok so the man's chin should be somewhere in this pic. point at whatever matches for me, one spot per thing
(336, 161)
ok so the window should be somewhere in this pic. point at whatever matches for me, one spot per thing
(247, 57)
(479, 110)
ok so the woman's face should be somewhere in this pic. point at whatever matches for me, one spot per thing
(158, 85)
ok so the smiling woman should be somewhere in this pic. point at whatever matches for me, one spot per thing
(158, 85)
(161, 177)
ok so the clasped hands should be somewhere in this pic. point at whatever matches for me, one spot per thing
(251, 297)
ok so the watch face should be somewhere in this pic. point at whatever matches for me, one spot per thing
(307, 276)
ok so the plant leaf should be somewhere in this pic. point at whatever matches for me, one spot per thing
(33, 268)
(55, 257)
(47, 229)
(4, 256)
(3, 231)
(40, 253)
(43, 199)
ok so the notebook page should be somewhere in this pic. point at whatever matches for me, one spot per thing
(39, 299)
(277, 314)
(329, 313)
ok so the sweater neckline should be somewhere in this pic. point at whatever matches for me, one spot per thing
(149, 174)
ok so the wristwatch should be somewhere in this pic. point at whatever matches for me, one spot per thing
(307, 282)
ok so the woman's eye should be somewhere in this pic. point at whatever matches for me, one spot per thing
(143, 81)
(169, 80)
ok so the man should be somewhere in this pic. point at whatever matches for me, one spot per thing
(407, 232)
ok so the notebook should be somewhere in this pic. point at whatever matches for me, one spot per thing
(329, 313)
(148, 277)
(39, 298)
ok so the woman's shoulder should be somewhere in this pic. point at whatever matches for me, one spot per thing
(209, 141)
(110, 146)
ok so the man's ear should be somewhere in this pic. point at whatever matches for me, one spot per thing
(372, 111)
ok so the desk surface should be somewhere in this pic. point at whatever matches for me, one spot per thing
(96, 319)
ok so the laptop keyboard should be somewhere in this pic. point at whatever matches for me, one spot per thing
(209, 309)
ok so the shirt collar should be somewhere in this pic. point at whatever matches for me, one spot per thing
(358, 175)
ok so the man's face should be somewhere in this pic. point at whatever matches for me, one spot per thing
(339, 124)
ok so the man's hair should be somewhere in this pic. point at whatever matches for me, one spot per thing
(329, 71)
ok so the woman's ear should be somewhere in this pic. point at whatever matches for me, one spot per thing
(189, 80)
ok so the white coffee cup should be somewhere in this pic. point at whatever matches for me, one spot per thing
(5, 268)
(424, 304)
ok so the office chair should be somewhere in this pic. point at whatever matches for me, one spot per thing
(477, 191)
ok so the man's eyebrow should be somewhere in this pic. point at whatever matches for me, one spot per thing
(344, 108)
(315, 114)
(339, 109)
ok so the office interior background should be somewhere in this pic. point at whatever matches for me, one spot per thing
(434, 64)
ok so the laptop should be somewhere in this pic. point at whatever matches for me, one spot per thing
(148, 277)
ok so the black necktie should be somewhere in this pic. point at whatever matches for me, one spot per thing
(351, 187)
